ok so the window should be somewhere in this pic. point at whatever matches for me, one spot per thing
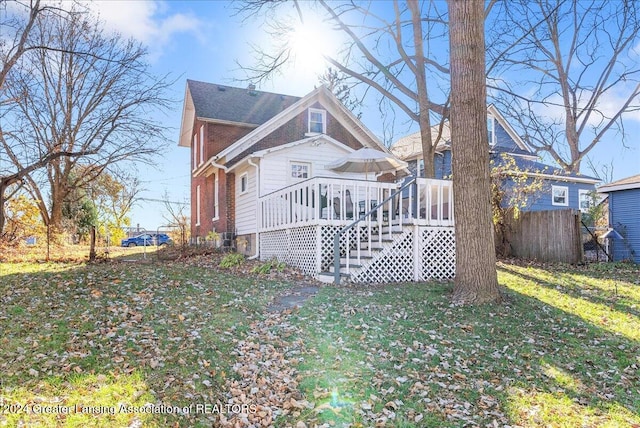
(585, 200)
(201, 144)
(195, 151)
(560, 195)
(244, 183)
(491, 128)
(317, 121)
(420, 167)
(198, 205)
(300, 170)
(216, 213)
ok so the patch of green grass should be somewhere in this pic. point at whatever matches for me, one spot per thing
(121, 333)
(563, 350)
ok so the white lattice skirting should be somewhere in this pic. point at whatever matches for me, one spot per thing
(417, 254)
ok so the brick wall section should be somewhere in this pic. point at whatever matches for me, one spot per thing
(217, 138)
(230, 202)
(295, 129)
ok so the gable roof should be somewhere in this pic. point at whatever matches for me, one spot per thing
(322, 95)
(632, 182)
(540, 169)
(235, 105)
(410, 146)
(212, 102)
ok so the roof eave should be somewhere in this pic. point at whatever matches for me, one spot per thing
(607, 188)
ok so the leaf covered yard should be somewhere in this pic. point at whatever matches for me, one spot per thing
(185, 343)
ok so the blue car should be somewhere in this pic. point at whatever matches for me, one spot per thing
(147, 239)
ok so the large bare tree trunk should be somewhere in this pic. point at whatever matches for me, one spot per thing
(476, 278)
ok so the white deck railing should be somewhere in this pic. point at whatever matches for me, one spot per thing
(373, 212)
(325, 200)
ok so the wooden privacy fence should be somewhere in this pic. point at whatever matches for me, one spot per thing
(547, 236)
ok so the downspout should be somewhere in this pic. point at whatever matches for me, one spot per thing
(257, 167)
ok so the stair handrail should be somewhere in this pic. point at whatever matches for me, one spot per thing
(338, 235)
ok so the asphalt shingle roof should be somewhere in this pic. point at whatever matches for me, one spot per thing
(535, 166)
(628, 181)
(226, 103)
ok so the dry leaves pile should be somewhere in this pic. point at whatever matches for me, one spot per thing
(267, 378)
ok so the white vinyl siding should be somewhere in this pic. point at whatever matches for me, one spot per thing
(246, 201)
(317, 156)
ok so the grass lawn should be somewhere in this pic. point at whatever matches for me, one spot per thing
(105, 335)
(563, 350)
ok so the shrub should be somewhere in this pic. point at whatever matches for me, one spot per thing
(266, 267)
(232, 260)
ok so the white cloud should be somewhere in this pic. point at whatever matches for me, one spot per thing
(146, 21)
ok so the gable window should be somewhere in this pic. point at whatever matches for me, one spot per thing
(584, 198)
(300, 170)
(317, 121)
(491, 129)
(560, 195)
(421, 167)
(244, 183)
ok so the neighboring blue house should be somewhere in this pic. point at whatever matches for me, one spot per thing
(624, 216)
(560, 190)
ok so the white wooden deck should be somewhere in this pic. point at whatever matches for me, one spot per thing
(409, 237)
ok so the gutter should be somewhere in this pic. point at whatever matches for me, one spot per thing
(213, 162)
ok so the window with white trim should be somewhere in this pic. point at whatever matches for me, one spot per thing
(216, 213)
(195, 151)
(585, 200)
(244, 183)
(560, 195)
(317, 121)
(421, 167)
(198, 205)
(201, 144)
(491, 129)
(300, 170)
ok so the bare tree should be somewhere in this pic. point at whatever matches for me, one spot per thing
(18, 24)
(476, 278)
(389, 56)
(177, 218)
(570, 74)
(94, 108)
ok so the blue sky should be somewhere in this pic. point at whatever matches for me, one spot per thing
(203, 40)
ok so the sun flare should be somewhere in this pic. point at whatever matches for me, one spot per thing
(309, 44)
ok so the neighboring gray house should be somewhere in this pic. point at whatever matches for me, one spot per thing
(624, 216)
